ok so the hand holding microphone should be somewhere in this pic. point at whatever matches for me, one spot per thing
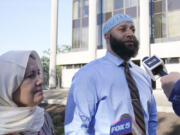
(135, 128)
(168, 82)
(154, 67)
(126, 126)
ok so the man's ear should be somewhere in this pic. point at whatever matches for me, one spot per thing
(107, 36)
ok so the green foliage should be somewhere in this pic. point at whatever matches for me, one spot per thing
(45, 65)
(64, 48)
(59, 130)
(45, 69)
(57, 114)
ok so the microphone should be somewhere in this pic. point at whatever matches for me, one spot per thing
(125, 126)
(154, 66)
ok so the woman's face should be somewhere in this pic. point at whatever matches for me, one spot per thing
(30, 91)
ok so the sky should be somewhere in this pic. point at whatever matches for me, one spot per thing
(25, 24)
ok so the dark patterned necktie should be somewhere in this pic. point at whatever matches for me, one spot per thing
(139, 116)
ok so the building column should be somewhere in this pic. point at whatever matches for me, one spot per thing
(53, 43)
(144, 29)
(92, 40)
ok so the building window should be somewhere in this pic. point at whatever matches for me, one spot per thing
(121, 11)
(132, 12)
(85, 22)
(85, 11)
(76, 9)
(84, 38)
(159, 6)
(159, 25)
(99, 19)
(76, 38)
(106, 16)
(76, 23)
(107, 6)
(85, 8)
(173, 24)
(80, 24)
(173, 5)
(105, 10)
(99, 40)
(118, 4)
(68, 66)
(130, 3)
(136, 24)
(99, 6)
(175, 60)
(166, 20)
(158, 20)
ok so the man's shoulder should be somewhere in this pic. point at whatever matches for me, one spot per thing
(92, 66)
(90, 69)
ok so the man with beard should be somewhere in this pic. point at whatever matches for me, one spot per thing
(101, 92)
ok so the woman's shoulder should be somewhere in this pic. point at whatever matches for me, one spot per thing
(48, 127)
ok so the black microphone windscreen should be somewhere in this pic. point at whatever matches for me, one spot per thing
(145, 58)
(124, 116)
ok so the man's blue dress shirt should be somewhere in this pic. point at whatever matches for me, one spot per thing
(99, 95)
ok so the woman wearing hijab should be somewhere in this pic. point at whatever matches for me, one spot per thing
(20, 93)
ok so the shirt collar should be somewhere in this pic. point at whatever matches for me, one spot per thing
(116, 60)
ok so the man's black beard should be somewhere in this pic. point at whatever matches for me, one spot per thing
(122, 50)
